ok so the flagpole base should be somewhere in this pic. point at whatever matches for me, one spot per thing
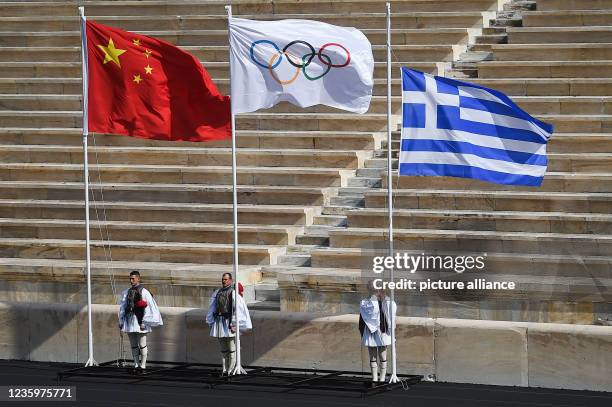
(238, 370)
(91, 362)
(393, 379)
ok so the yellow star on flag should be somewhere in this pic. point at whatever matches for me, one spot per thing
(111, 53)
(136, 42)
(148, 69)
(137, 79)
(148, 53)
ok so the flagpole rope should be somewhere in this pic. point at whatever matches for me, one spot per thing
(106, 237)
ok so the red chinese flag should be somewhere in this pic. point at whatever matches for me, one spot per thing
(143, 87)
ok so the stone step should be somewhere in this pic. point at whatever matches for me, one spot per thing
(266, 291)
(548, 86)
(475, 241)
(409, 19)
(543, 265)
(353, 191)
(553, 5)
(337, 280)
(244, 7)
(576, 18)
(139, 251)
(362, 181)
(553, 52)
(492, 30)
(512, 86)
(475, 53)
(313, 239)
(311, 121)
(148, 231)
(65, 86)
(61, 102)
(255, 121)
(580, 143)
(159, 212)
(271, 305)
(532, 104)
(533, 201)
(196, 40)
(353, 201)
(73, 86)
(169, 273)
(553, 182)
(297, 260)
(337, 210)
(175, 174)
(22, 69)
(378, 104)
(501, 221)
(183, 156)
(300, 248)
(205, 194)
(255, 140)
(318, 229)
(369, 172)
(492, 39)
(574, 163)
(561, 143)
(519, 5)
(329, 220)
(545, 35)
(20, 62)
(545, 69)
(566, 301)
(579, 123)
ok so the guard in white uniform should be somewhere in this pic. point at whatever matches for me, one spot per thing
(138, 313)
(222, 320)
(374, 326)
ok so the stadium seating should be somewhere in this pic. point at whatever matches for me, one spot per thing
(311, 181)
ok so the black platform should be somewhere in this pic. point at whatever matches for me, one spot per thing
(290, 379)
(100, 392)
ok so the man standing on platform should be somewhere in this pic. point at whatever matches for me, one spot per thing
(374, 326)
(138, 313)
(222, 320)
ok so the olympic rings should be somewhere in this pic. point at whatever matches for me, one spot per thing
(262, 42)
(312, 53)
(328, 64)
(271, 69)
(299, 63)
(348, 55)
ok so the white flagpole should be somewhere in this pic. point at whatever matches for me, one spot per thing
(239, 369)
(84, 64)
(393, 378)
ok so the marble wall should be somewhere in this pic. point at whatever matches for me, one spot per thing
(454, 350)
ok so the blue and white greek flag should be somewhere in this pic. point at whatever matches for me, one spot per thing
(458, 129)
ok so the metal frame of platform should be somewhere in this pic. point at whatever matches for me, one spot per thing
(207, 374)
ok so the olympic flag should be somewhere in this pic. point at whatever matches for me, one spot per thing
(299, 61)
